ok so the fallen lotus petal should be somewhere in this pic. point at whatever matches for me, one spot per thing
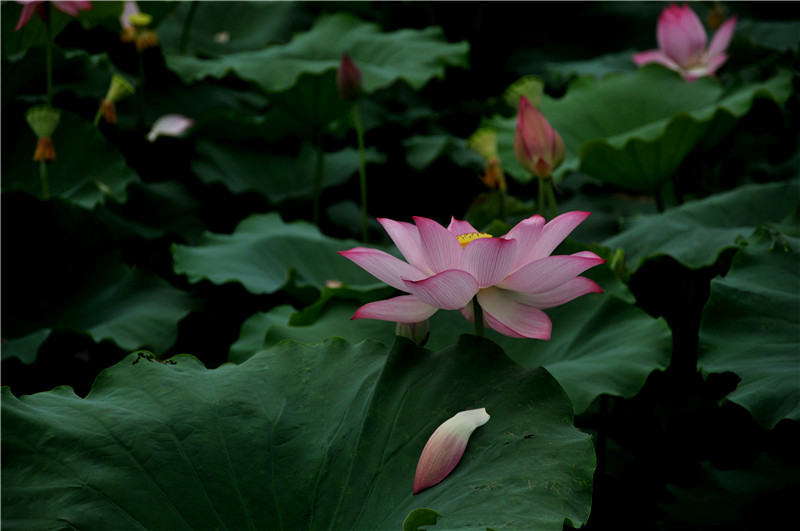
(445, 447)
(170, 125)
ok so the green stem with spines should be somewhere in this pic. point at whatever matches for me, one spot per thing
(362, 169)
(318, 174)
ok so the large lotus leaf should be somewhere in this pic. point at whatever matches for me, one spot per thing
(634, 130)
(600, 344)
(219, 28)
(781, 35)
(751, 327)
(264, 252)
(323, 436)
(598, 67)
(277, 177)
(697, 232)
(415, 56)
(88, 170)
(88, 287)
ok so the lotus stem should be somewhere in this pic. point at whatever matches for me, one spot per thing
(44, 180)
(551, 197)
(478, 313)
(362, 170)
(318, 174)
(540, 203)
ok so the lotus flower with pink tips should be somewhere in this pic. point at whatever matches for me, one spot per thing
(682, 44)
(513, 277)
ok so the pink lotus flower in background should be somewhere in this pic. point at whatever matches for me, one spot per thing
(445, 447)
(513, 277)
(170, 125)
(37, 6)
(538, 147)
(682, 44)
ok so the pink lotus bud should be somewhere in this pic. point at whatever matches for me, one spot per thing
(444, 449)
(348, 78)
(538, 147)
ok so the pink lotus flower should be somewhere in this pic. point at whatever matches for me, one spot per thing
(445, 447)
(682, 44)
(513, 277)
(37, 6)
(538, 147)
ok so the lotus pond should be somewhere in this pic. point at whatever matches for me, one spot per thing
(384, 265)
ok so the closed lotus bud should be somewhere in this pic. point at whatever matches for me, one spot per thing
(348, 78)
(538, 147)
(416, 332)
(43, 121)
(119, 88)
(445, 447)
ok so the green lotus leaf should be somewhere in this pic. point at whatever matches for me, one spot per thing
(277, 177)
(600, 344)
(219, 28)
(697, 232)
(264, 252)
(634, 130)
(414, 56)
(751, 327)
(298, 437)
(88, 170)
(89, 287)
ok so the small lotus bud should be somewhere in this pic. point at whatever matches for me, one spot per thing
(416, 332)
(445, 447)
(170, 125)
(538, 147)
(348, 78)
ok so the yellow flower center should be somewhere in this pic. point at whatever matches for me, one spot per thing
(464, 239)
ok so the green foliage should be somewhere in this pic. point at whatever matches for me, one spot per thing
(299, 437)
(263, 252)
(85, 180)
(89, 287)
(587, 353)
(414, 56)
(635, 130)
(751, 327)
(697, 232)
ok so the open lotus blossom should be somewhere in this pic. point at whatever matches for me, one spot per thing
(446, 446)
(38, 7)
(513, 277)
(682, 44)
(170, 125)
